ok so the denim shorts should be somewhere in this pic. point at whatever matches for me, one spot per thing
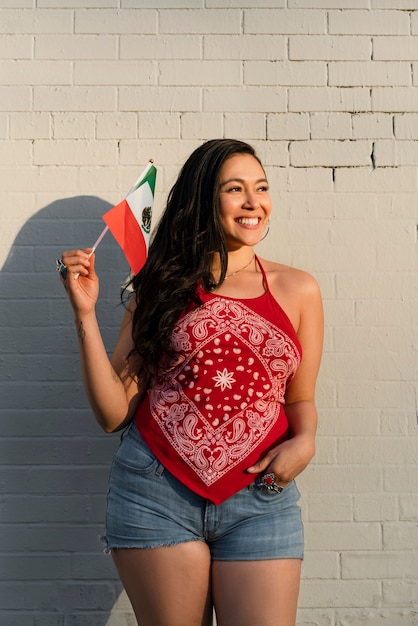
(148, 507)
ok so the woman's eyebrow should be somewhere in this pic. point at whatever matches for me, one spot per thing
(242, 180)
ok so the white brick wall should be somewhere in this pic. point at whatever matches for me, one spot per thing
(327, 92)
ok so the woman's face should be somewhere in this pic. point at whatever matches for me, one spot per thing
(244, 200)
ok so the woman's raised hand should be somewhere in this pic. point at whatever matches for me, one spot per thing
(80, 280)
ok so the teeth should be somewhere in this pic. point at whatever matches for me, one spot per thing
(250, 221)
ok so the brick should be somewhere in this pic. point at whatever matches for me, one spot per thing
(67, 152)
(284, 73)
(329, 48)
(87, 596)
(61, 481)
(368, 23)
(401, 536)
(379, 565)
(382, 312)
(20, 618)
(328, 4)
(349, 422)
(14, 152)
(398, 449)
(116, 125)
(343, 536)
(284, 22)
(330, 125)
(35, 21)
(15, 98)
(377, 617)
(408, 507)
(115, 73)
(76, 47)
(74, 98)
(92, 566)
(395, 48)
(35, 567)
(385, 180)
(16, 46)
(200, 21)
(372, 126)
(30, 125)
(246, 99)
(249, 126)
(406, 126)
(373, 73)
(159, 99)
(244, 47)
(329, 153)
(381, 394)
(73, 125)
(134, 152)
(401, 593)
(35, 73)
(330, 508)
(160, 47)
(375, 508)
(61, 451)
(309, 179)
(162, 4)
(218, 4)
(321, 618)
(35, 509)
(114, 22)
(327, 563)
(200, 73)
(405, 482)
(342, 480)
(339, 593)
(203, 126)
(395, 153)
(353, 99)
(398, 100)
(84, 4)
(287, 126)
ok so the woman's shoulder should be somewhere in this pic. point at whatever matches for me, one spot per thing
(288, 277)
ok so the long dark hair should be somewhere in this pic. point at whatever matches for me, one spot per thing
(180, 254)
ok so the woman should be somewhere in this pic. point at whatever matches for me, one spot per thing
(208, 373)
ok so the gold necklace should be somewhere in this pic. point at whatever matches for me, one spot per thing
(240, 269)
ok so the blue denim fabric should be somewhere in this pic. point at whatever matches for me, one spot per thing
(148, 507)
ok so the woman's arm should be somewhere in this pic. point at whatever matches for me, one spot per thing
(111, 385)
(290, 458)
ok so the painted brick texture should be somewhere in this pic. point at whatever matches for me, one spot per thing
(327, 92)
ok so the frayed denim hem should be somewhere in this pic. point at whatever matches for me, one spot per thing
(108, 546)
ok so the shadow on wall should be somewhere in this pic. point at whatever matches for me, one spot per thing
(54, 457)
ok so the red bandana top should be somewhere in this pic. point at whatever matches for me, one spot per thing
(220, 406)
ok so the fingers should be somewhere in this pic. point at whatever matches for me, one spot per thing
(76, 263)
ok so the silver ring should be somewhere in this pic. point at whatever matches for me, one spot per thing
(267, 483)
(61, 268)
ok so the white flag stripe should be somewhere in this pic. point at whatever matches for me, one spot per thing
(138, 200)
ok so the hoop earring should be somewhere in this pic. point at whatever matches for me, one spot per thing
(267, 231)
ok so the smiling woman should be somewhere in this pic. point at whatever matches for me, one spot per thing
(202, 501)
(244, 201)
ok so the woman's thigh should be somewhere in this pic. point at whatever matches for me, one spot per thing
(168, 586)
(262, 593)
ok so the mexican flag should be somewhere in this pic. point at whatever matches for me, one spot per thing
(130, 220)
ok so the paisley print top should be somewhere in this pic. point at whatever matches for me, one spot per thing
(220, 406)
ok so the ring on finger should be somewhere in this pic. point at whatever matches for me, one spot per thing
(61, 268)
(267, 483)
